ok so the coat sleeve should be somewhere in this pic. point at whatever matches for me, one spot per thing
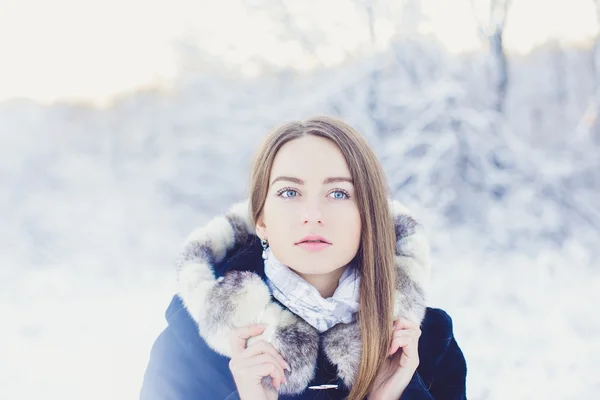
(166, 377)
(416, 389)
(174, 374)
(449, 381)
(441, 374)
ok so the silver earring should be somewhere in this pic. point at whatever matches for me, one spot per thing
(265, 244)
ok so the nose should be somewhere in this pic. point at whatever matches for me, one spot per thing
(312, 213)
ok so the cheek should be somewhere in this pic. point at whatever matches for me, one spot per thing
(350, 226)
(278, 219)
(356, 229)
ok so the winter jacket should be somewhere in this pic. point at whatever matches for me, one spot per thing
(221, 284)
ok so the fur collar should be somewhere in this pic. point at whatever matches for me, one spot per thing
(219, 300)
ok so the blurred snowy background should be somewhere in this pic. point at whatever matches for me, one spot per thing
(124, 125)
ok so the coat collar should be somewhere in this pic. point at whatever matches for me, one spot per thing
(219, 297)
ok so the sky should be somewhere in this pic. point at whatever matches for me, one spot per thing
(93, 50)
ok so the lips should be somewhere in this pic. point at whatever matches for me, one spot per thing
(313, 246)
(313, 239)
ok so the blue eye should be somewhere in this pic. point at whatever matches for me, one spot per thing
(282, 193)
(340, 195)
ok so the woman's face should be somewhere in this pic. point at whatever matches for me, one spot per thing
(311, 193)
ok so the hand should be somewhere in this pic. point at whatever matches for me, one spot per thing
(401, 363)
(249, 365)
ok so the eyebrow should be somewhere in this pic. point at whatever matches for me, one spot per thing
(301, 182)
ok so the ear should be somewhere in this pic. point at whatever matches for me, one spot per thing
(261, 228)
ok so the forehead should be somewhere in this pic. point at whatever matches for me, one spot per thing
(310, 156)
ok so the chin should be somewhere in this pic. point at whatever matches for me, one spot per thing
(313, 263)
(312, 268)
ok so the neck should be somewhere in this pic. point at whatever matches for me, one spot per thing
(326, 284)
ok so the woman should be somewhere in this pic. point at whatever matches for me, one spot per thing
(312, 289)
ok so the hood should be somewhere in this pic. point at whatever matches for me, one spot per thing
(219, 297)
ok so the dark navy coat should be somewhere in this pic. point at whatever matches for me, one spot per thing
(183, 367)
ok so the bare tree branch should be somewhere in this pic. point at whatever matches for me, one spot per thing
(492, 31)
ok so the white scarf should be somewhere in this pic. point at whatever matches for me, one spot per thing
(304, 300)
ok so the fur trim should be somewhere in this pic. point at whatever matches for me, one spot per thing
(219, 300)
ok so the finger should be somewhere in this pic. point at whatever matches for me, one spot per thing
(398, 342)
(408, 326)
(408, 341)
(246, 367)
(269, 369)
(258, 359)
(239, 337)
(277, 374)
(260, 347)
(403, 323)
(402, 338)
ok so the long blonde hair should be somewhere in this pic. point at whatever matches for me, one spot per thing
(375, 255)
